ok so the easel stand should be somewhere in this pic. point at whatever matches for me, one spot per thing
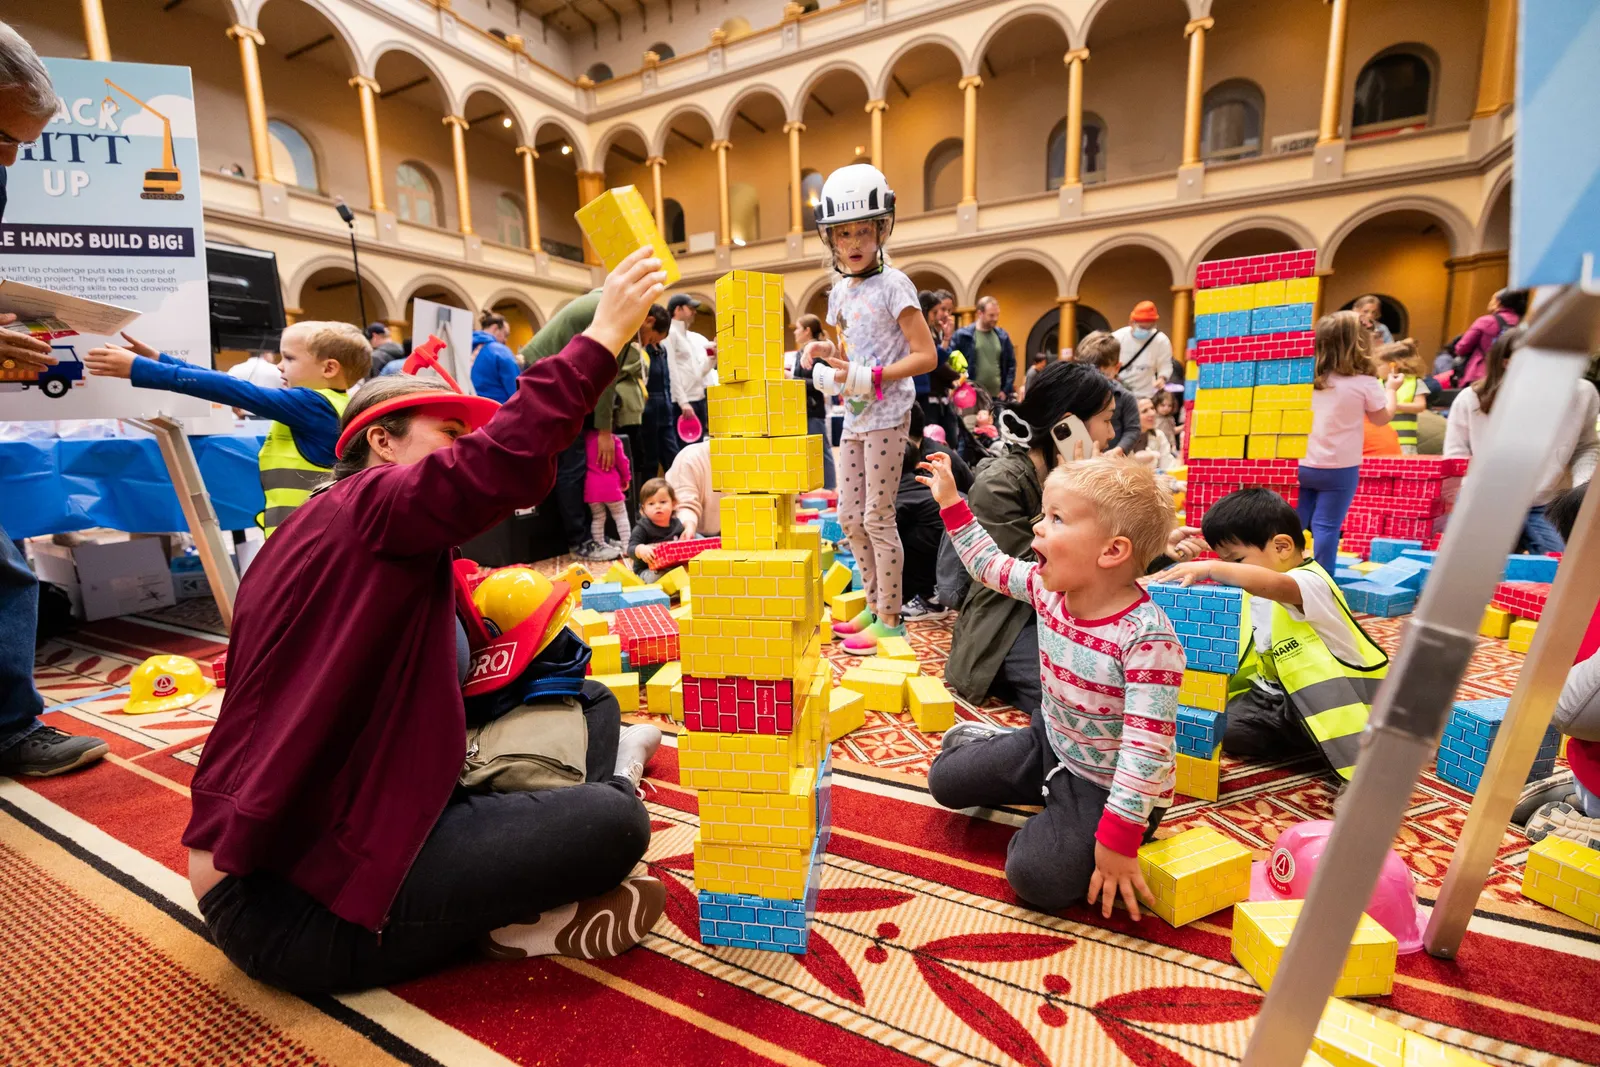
(197, 510)
(1409, 714)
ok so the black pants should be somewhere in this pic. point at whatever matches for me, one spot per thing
(571, 471)
(490, 861)
(658, 445)
(1262, 725)
(920, 533)
(1050, 860)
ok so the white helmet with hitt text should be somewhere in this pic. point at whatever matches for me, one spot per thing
(856, 193)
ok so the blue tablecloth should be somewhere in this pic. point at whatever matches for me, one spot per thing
(51, 487)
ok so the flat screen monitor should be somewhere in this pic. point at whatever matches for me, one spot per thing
(246, 299)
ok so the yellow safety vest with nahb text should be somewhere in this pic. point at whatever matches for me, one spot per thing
(287, 477)
(1332, 697)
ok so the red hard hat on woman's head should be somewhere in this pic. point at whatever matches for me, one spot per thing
(472, 410)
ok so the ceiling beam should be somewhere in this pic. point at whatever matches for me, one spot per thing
(686, 137)
(989, 66)
(486, 117)
(898, 84)
(303, 49)
(615, 16)
(758, 127)
(170, 4)
(815, 99)
(398, 89)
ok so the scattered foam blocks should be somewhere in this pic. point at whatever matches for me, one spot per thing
(1531, 568)
(847, 712)
(882, 690)
(588, 624)
(622, 574)
(1208, 620)
(1525, 600)
(836, 581)
(663, 693)
(1261, 932)
(848, 605)
(1384, 601)
(1496, 622)
(932, 707)
(1470, 734)
(603, 596)
(605, 655)
(644, 596)
(1345, 575)
(1199, 776)
(893, 647)
(1200, 731)
(1564, 875)
(1195, 873)
(1519, 635)
(648, 634)
(1402, 573)
(672, 553)
(625, 687)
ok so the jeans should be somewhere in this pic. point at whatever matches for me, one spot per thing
(819, 427)
(1050, 860)
(1539, 534)
(491, 860)
(571, 471)
(1325, 495)
(658, 438)
(20, 703)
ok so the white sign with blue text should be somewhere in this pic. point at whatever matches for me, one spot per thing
(106, 206)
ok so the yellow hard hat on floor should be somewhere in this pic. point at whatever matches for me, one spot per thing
(523, 611)
(163, 683)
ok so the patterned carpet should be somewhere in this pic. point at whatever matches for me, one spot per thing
(921, 954)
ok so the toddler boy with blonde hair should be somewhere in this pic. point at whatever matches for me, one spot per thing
(1100, 752)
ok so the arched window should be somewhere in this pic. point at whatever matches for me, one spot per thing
(663, 50)
(810, 197)
(808, 6)
(599, 72)
(292, 159)
(418, 199)
(511, 224)
(736, 27)
(941, 175)
(673, 212)
(1231, 128)
(1093, 161)
(1393, 91)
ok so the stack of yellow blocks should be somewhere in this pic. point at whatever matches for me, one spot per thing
(1261, 932)
(756, 691)
(1198, 776)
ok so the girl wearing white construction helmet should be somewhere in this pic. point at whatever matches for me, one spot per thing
(886, 342)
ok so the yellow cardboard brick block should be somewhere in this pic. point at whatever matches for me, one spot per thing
(625, 687)
(774, 873)
(684, 611)
(746, 763)
(658, 691)
(1266, 420)
(807, 537)
(933, 709)
(825, 561)
(1296, 421)
(1198, 778)
(1496, 623)
(1217, 447)
(1195, 873)
(847, 711)
(766, 464)
(1564, 875)
(758, 408)
(821, 678)
(1301, 290)
(755, 522)
(835, 581)
(892, 647)
(827, 631)
(748, 648)
(1366, 566)
(1207, 423)
(1424, 1051)
(622, 574)
(847, 606)
(618, 221)
(605, 655)
(676, 581)
(1202, 689)
(1519, 636)
(1261, 931)
(1271, 294)
(883, 690)
(588, 624)
(750, 337)
(1346, 1036)
(776, 584)
(784, 820)
(1262, 446)
(1291, 446)
(1235, 423)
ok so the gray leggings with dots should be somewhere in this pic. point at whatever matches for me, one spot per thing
(868, 468)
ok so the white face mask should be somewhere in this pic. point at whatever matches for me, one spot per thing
(1141, 332)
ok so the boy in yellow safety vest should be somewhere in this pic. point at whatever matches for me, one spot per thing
(1308, 672)
(320, 361)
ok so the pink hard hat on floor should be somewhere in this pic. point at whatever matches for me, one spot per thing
(1286, 875)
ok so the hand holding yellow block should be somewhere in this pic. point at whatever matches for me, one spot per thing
(618, 221)
(1194, 873)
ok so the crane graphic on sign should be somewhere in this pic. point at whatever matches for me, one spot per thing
(164, 182)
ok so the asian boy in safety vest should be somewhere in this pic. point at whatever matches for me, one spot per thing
(320, 361)
(1308, 672)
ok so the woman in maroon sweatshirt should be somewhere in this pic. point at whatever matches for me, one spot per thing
(328, 847)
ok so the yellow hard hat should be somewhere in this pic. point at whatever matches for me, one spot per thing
(524, 611)
(163, 683)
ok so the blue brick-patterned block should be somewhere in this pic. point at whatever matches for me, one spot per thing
(1531, 568)
(1384, 601)
(1200, 731)
(1403, 573)
(1384, 549)
(829, 528)
(740, 920)
(603, 596)
(855, 574)
(1206, 327)
(1346, 575)
(1236, 375)
(1191, 388)
(638, 598)
(1469, 735)
(1425, 555)
(1207, 619)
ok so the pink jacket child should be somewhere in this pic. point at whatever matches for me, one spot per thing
(606, 487)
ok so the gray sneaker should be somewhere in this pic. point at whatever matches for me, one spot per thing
(1562, 820)
(1535, 795)
(968, 731)
(48, 751)
(925, 610)
(597, 552)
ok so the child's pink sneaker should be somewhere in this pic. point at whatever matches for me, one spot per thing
(863, 619)
(867, 640)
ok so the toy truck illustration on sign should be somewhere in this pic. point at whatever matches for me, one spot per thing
(53, 381)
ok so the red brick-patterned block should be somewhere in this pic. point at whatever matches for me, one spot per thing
(1297, 345)
(1524, 599)
(671, 553)
(738, 705)
(1360, 544)
(1243, 472)
(1410, 528)
(1246, 270)
(1364, 521)
(649, 634)
(1423, 467)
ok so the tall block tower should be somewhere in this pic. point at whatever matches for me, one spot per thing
(755, 684)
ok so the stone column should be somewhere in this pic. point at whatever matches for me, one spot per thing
(794, 130)
(368, 90)
(1497, 78)
(1067, 330)
(530, 193)
(591, 183)
(94, 31)
(255, 101)
(656, 163)
(1328, 162)
(1181, 314)
(458, 151)
(876, 108)
(1071, 194)
(724, 220)
(969, 138)
(1194, 96)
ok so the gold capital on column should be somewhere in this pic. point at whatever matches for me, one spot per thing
(1073, 172)
(530, 193)
(368, 90)
(458, 151)
(655, 163)
(255, 100)
(1333, 72)
(1194, 94)
(969, 137)
(94, 31)
(724, 218)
